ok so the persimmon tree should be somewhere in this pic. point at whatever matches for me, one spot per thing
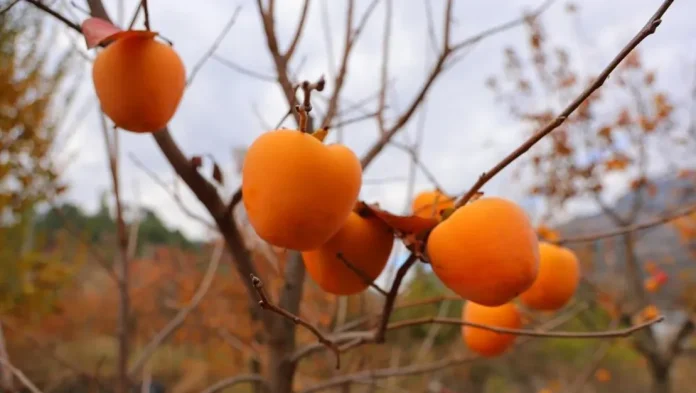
(300, 193)
(614, 139)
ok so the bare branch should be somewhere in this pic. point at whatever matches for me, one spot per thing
(20, 375)
(8, 7)
(646, 31)
(298, 33)
(236, 380)
(391, 297)
(146, 14)
(265, 303)
(416, 369)
(524, 332)
(172, 193)
(180, 317)
(628, 228)
(241, 69)
(38, 4)
(225, 30)
(384, 70)
(351, 36)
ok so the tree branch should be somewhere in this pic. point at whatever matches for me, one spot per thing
(180, 317)
(210, 52)
(647, 30)
(298, 32)
(20, 375)
(236, 380)
(628, 228)
(265, 303)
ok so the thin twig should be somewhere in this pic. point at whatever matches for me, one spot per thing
(391, 297)
(175, 195)
(362, 274)
(38, 4)
(211, 51)
(526, 332)
(20, 375)
(647, 30)
(180, 317)
(415, 369)
(266, 304)
(628, 228)
(146, 13)
(8, 6)
(298, 32)
(236, 380)
(241, 69)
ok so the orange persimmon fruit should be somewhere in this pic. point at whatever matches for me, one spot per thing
(486, 251)
(139, 82)
(430, 204)
(485, 342)
(298, 192)
(557, 281)
(365, 243)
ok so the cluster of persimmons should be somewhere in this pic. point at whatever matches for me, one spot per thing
(302, 194)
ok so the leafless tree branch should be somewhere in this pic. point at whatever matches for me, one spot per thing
(180, 317)
(646, 31)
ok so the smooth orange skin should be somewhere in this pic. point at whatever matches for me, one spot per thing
(429, 204)
(485, 342)
(298, 192)
(557, 281)
(486, 251)
(139, 83)
(364, 242)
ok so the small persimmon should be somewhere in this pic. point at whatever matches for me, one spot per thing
(486, 251)
(365, 243)
(430, 204)
(485, 342)
(298, 192)
(139, 82)
(557, 281)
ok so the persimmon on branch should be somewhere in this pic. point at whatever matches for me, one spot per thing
(647, 30)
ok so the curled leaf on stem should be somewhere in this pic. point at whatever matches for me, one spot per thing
(266, 304)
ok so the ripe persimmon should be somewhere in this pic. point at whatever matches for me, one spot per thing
(486, 251)
(139, 82)
(298, 192)
(557, 281)
(485, 342)
(365, 243)
(429, 204)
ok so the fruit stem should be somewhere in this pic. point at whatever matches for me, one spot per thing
(306, 107)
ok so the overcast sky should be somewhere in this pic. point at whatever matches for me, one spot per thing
(465, 131)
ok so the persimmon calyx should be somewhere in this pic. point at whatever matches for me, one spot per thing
(320, 134)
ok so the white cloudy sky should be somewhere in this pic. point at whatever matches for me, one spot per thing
(465, 131)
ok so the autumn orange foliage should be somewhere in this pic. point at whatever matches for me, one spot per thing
(365, 243)
(484, 342)
(486, 251)
(297, 191)
(139, 82)
(429, 204)
(557, 281)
